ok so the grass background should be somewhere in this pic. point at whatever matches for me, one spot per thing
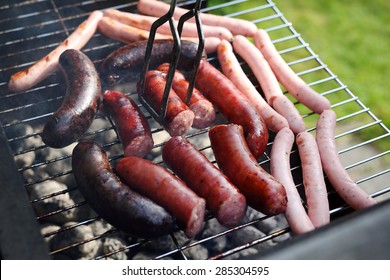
(352, 38)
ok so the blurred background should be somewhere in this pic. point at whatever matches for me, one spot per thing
(353, 39)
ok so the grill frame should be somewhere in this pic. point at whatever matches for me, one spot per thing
(68, 21)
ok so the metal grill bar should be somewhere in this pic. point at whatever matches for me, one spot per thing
(24, 109)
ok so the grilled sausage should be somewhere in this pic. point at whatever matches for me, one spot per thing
(126, 33)
(179, 118)
(223, 199)
(113, 200)
(189, 29)
(313, 179)
(203, 109)
(268, 83)
(232, 69)
(81, 102)
(233, 105)
(161, 186)
(287, 77)
(296, 215)
(338, 176)
(29, 77)
(236, 26)
(132, 126)
(127, 61)
(262, 191)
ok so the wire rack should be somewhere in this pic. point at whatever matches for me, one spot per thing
(31, 29)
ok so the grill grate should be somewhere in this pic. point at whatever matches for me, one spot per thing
(72, 229)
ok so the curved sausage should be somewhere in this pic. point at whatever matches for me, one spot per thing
(232, 69)
(262, 191)
(296, 215)
(233, 105)
(132, 126)
(126, 33)
(113, 200)
(127, 61)
(81, 102)
(287, 77)
(179, 118)
(223, 199)
(189, 28)
(352, 194)
(29, 77)
(236, 26)
(203, 109)
(268, 82)
(313, 179)
(161, 186)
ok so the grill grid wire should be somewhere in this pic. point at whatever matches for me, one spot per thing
(70, 15)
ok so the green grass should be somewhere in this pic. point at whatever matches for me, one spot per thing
(352, 38)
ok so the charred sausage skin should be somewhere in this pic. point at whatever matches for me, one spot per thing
(113, 200)
(81, 102)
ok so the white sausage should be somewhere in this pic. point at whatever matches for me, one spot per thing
(29, 77)
(236, 26)
(268, 82)
(287, 77)
(280, 168)
(189, 28)
(126, 33)
(313, 179)
(232, 69)
(352, 194)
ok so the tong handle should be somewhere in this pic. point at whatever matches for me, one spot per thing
(176, 33)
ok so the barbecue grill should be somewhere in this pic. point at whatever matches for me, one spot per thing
(43, 216)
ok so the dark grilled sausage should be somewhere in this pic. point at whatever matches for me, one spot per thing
(223, 199)
(179, 118)
(203, 109)
(80, 104)
(113, 200)
(132, 126)
(129, 60)
(262, 191)
(233, 105)
(157, 183)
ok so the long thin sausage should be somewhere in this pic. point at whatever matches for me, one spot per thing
(29, 77)
(223, 199)
(268, 82)
(313, 179)
(189, 28)
(236, 26)
(295, 214)
(232, 69)
(161, 186)
(262, 191)
(203, 109)
(287, 77)
(132, 126)
(338, 176)
(126, 33)
(115, 202)
(233, 105)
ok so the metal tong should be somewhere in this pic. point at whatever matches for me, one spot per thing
(176, 33)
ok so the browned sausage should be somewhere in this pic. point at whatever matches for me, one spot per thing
(223, 199)
(179, 118)
(81, 102)
(203, 109)
(114, 201)
(132, 126)
(161, 186)
(233, 105)
(262, 191)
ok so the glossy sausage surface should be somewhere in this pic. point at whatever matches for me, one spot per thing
(113, 200)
